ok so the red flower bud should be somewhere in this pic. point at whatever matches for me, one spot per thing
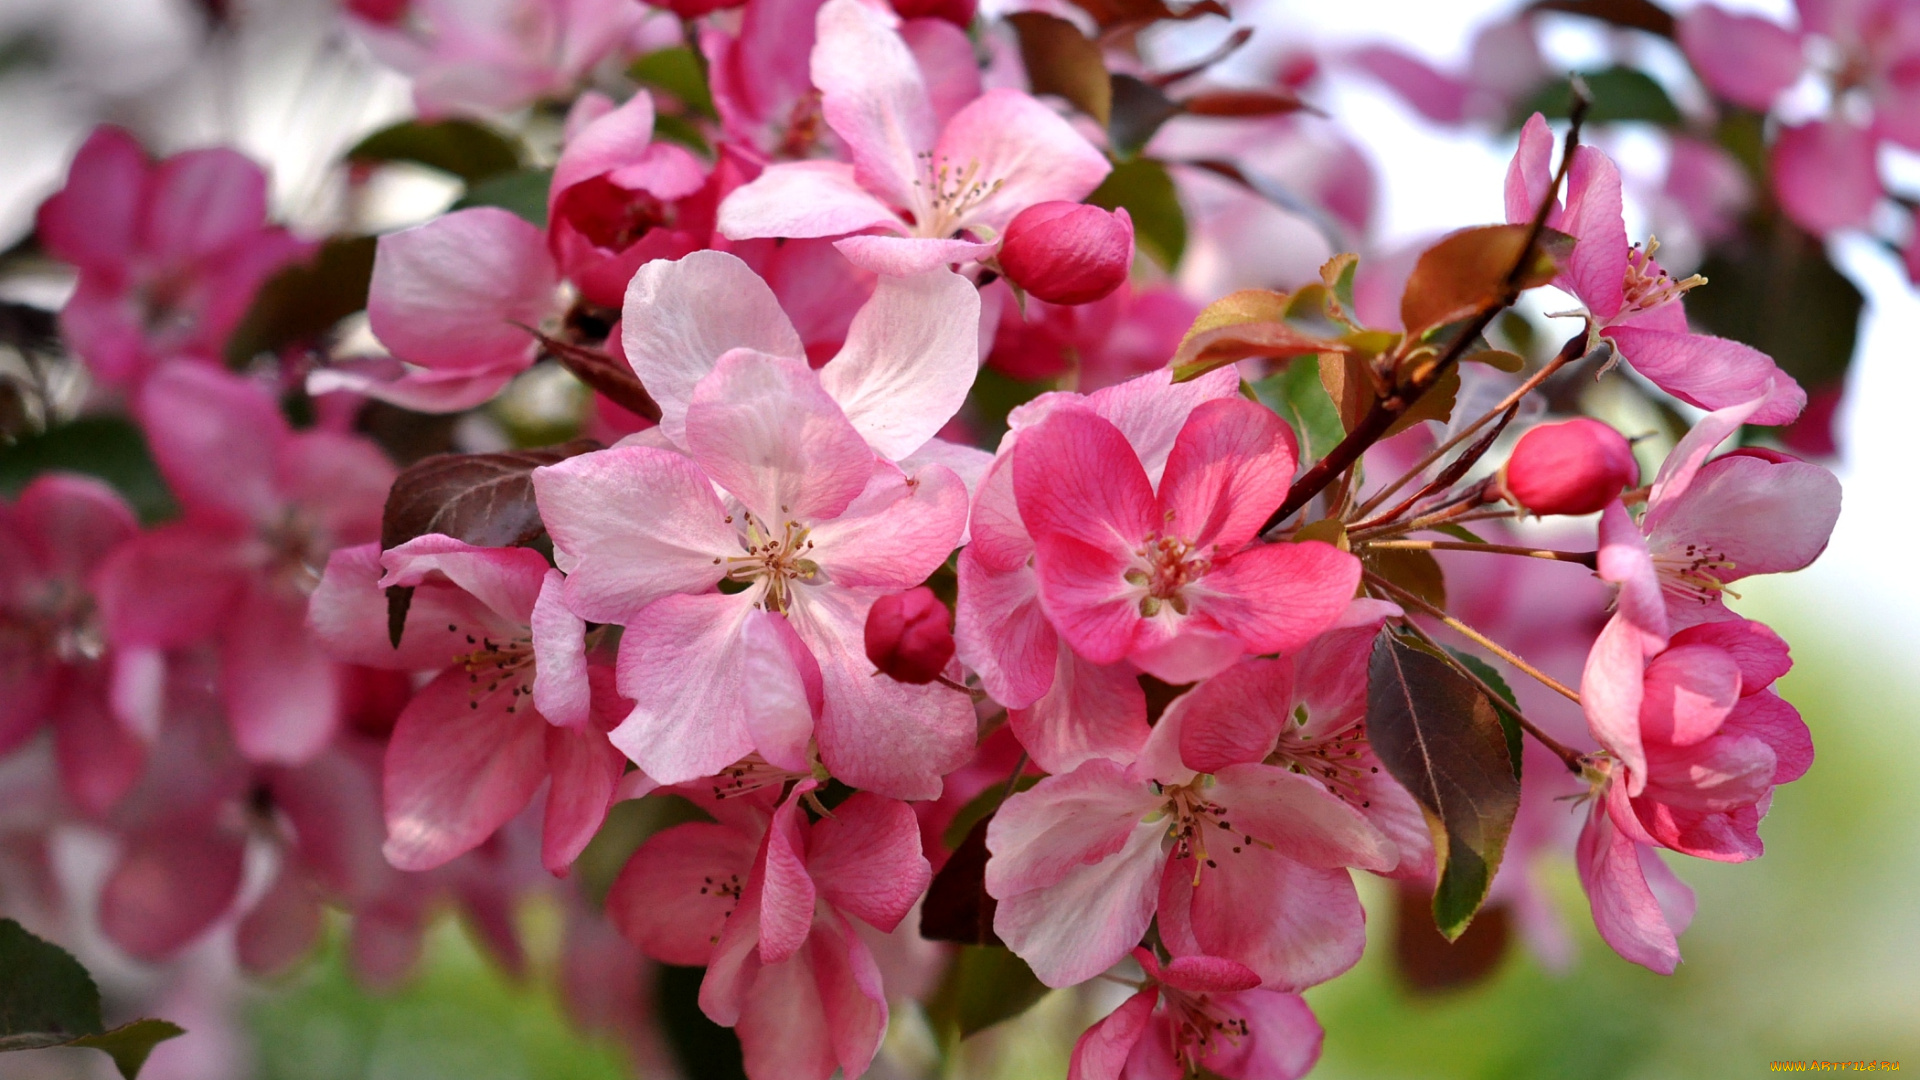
(957, 12)
(909, 636)
(1576, 467)
(1068, 253)
(384, 12)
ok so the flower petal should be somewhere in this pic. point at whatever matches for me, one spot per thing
(910, 358)
(447, 294)
(867, 859)
(873, 96)
(763, 428)
(683, 664)
(674, 894)
(459, 767)
(1023, 151)
(803, 199)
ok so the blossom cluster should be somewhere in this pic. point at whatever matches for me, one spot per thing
(1127, 675)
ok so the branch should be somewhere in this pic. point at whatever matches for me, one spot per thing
(1588, 559)
(1476, 636)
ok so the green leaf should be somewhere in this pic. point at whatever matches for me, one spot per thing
(1620, 94)
(1300, 398)
(47, 999)
(980, 807)
(468, 150)
(1146, 190)
(1139, 108)
(1458, 532)
(304, 301)
(1061, 60)
(1510, 715)
(1776, 291)
(985, 985)
(1440, 737)
(110, 448)
(523, 191)
(679, 72)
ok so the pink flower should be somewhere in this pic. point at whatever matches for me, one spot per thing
(759, 78)
(1173, 579)
(1111, 340)
(765, 901)
(1574, 467)
(170, 255)
(496, 57)
(812, 529)
(909, 359)
(1503, 69)
(924, 185)
(454, 300)
(1246, 863)
(1068, 253)
(1200, 1013)
(52, 653)
(1630, 300)
(509, 708)
(262, 506)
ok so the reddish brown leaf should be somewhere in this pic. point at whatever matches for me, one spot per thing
(1431, 964)
(1112, 13)
(1467, 271)
(1245, 103)
(1062, 60)
(604, 374)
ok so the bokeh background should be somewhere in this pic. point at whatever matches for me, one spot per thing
(1811, 952)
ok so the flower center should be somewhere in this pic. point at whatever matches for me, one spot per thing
(1193, 820)
(58, 622)
(1647, 285)
(777, 560)
(947, 195)
(1199, 1027)
(1332, 757)
(1693, 573)
(494, 665)
(750, 774)
(1166, 565)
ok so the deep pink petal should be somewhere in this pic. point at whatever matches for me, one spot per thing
(1151, 410)
(282, 927)
(347, 615)
(99, 759)
(1688, 691)
(169, 886)
(459, 766)
(217, 438)
(169, 587)
(1624, 559)
(1714, 776)
(1236, 716)
(785, 889)
(202, 203)
(631, 525)
(333, 803)
(419, 389)
(585, 767)
(1229, 467)
(867, 859)
(909, 360)
(1277, 597)
(682, 663)
(1530, 173)
(1299, 817)
(1282, 1041)
(1001, 632)
(1825, 175)
(1710, 372)
(507, 580)
(93, 221)
(1089, 711)
(618, 138)
(1761, 654)
(447, 294)
(1763, 517)
(72, 523)
(1746, 59)
(1026, 151)
(1102, 1051)
(674, 894)
(1596, 271)
(1611, 689)
(281, 689)
(1295, 926)
(1624, 909)
(763, 428)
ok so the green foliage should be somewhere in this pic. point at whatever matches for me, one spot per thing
(1510, 715)
(1146, 190)
(679, 72)
(48, 1000)
(1620, 94)
(111, 448)
(465, 148)
(1139, 108)
(985, 985)
(304, 301)
(522, 191)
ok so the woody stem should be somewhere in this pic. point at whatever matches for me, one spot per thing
(1584, 558)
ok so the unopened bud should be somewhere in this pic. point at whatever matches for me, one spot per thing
(384, 12)
(957, 12)
(909, 636)
(1576, 467)
(1068, 253)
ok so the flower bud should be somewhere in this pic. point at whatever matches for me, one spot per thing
(1068, 253)
(384, 12)
(1576, 467)
(909, 637)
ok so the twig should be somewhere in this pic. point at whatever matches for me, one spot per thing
(1584, 558)
(1479, 638)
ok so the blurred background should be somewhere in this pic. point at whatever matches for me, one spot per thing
(1810, 952)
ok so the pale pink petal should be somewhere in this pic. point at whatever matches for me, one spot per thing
(682, 663)
(560, 688)
(786, 890)
(1596, 271)
(1530, 173)
(459, 766)
(1277, 597)
(1229, 467)
(507, 580)
(1710, 372)
(1067, 820)
(1611, 688)
(1295, 926)
(1001, 633)
(1192, 653)
(674, 894)
(1027, 152)
(763, 428)
(1090, 711)
(1300, 818)
(216, 438)
(1151, 409)
(1236, 716)
(168, 888)
(448, 294)
(782, 1024)
(282, 691)
(896, 533)
(783, 690)
(93, 221)
(1715, 776)
(969, 463)
(803, 199)
(909, 360)
(1625, 560)
(1102, 1051)
(1825, 175)
(203, 203)
(906, 256)
(867, 859)
(137, 689)
(1687, 692)
(347, 614)
(1087, 919)
(849, 985)
(631, 525)
(1435, 94)
(419, 389)
(1684, 461)
(947, 63)
(1624, 909)
(1746, 59)
(585, 766)
(1282, 1041)
(1763, 517)
(617, 138)
(873, 96)
(876, 733)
